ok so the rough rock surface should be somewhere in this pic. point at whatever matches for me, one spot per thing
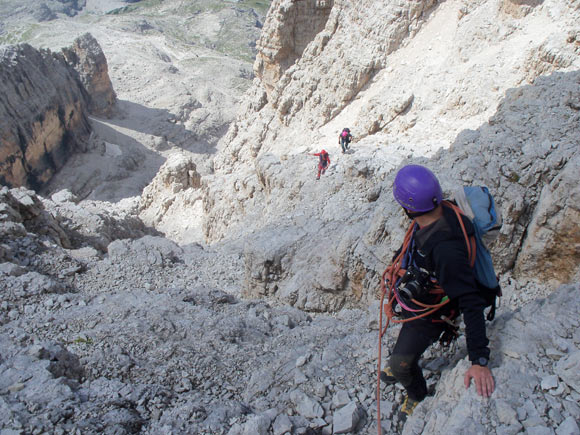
(60, 90)
(287, 32)
(178, 70)
(153, 338)
(38, 138)
(540, 368)
(321, 245)
(107, 329)
(88, 59)
(175, 188)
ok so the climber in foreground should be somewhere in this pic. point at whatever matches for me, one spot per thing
(344, 139)
(323, 162)
(435, 272)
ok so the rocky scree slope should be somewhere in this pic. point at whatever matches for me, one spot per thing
(151, 337)
(134, 338)
(178, 69)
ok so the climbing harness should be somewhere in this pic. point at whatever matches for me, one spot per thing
(390, 293)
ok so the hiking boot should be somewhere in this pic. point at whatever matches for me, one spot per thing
(387, 376)
(407, 408)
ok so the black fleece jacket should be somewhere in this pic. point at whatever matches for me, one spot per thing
(440, 248)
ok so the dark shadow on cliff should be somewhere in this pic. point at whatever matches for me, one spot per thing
(518, 153)
(166, 127)
(116, 166)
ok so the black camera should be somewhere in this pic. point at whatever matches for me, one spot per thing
(415, 283)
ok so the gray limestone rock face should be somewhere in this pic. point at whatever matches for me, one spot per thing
(289, 61)
(38, 137)
(285, 35)
(352, 225)
(171, 191)
(306, 406)
(462, 407)
(548, 251)
(282, 425)
(348, 240)
(147, 250)
(46, 99)
(568, 369)
(568, 427)
(119, 332)
(23, 207)
(88, 59)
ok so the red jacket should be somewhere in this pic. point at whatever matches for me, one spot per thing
(324, 158)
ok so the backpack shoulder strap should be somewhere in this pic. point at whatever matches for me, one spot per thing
(469, 241)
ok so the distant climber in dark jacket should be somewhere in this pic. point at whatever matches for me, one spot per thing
(344, 139)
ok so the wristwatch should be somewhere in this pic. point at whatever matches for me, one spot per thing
(481, 361)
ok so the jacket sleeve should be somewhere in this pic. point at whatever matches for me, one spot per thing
(458, 281)
(472, 306)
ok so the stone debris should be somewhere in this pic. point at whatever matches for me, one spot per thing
(345, 419)
(145, 339)
(110, 326)
(282, 425)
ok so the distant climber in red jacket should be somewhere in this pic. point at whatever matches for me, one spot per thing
(323, 162)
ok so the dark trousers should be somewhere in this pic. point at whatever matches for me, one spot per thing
(414, 338)
(343, 144)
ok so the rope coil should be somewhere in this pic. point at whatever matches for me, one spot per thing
(389, 291)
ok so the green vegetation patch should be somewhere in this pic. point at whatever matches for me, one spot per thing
(19, 35)
(138, 7)
(260, 5)
(83, 340)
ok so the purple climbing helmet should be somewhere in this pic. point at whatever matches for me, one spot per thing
(417, 189)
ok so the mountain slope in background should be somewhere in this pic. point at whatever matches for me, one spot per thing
(109, 328)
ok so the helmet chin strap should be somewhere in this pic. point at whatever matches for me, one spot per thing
(416, 214)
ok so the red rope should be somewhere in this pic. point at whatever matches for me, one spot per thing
(390, 276)
(469, 241)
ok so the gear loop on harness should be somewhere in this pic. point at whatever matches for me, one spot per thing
(389, 280)
(389, 291)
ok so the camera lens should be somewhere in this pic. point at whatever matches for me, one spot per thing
(414, 283)
(411, 289)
